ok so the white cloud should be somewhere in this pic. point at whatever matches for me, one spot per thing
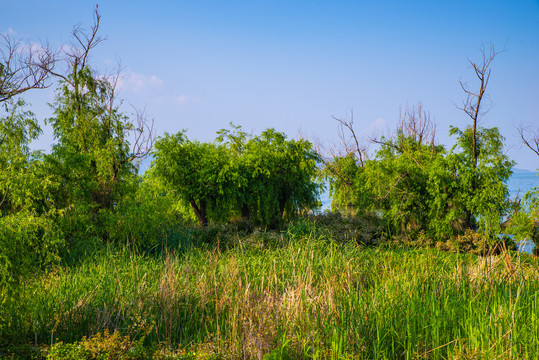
(377, 126)
(139, 83)
(182, 99)
(28, 48)
(8, 32)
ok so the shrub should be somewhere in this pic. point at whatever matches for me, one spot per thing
(103, 346)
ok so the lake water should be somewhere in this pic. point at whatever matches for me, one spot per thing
(522, 181)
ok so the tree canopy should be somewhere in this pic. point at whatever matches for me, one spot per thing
(260, 178)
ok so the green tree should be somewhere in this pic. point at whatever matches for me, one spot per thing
(524, 220)
(29, 238)
(17, 129)
(199, 174)
(399, 177)
(261, 178)
(93, 161)
(420, 188)
(480, 165)
(282, 176)
(346, 185)
(482, 190)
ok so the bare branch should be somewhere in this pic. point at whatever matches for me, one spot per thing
(327, 157)
(416, 123)
(144, 136)
(473, 104)
(23, 66)
(530, 138)
(352, 137)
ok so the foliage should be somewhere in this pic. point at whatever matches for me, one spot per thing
(90, 161)
(147, 216)
(264, 178)
(19, 185)
(482, 189)
(104, 346)
(346, 184)
(399, 180)
(197, 172)
(524, 221)
(363, 229)
(422, 190)
(29, 238)
(27, 242)
(280, 177)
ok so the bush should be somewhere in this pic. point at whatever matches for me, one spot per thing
(103, 346)
(476, 243)
(27, 242)
(365, 229)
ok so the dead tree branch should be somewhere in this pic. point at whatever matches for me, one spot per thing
(350, 142)
(530, 138)
(23, 66)
(473, 104)
(415, 122)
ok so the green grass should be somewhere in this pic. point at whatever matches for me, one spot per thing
(288, 295)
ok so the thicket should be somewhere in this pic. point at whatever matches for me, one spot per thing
(260, 179)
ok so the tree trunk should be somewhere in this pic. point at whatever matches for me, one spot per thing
(200, 212)
(245, 212)
(282, 203)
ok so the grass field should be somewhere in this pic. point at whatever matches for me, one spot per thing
(297, 294)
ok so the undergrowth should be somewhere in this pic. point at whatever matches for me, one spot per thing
(300, 293)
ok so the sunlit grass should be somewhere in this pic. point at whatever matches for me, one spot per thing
(293, 295)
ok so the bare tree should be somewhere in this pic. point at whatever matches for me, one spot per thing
(530, 137)
(77, 53)
(23, 66)
(349, 139)
(416, 123)
(349, 145)
(473, 105)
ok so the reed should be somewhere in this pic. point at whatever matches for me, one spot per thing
(292, 295)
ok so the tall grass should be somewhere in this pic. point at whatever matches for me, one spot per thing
(291, 295)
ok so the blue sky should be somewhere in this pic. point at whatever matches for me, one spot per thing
(292, 65)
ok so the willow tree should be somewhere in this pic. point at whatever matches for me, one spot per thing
(93, 161)
(282, 179)
(198, 173)
(262, 178)
(480, 164)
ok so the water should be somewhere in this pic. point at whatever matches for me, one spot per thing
(522, 181)
(525, 246)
